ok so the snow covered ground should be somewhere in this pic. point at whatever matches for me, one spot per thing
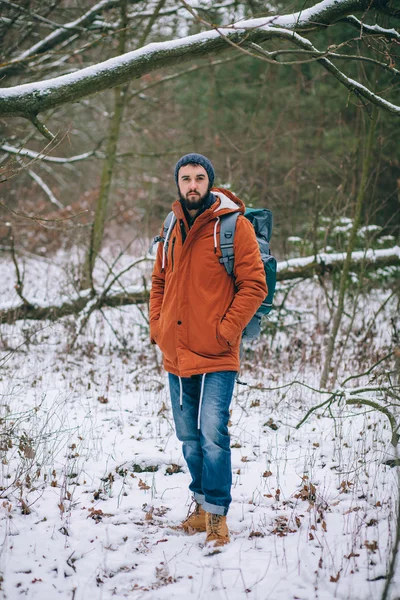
(94, 486)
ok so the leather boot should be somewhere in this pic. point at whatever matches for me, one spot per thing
(217, 530)
(195, 521)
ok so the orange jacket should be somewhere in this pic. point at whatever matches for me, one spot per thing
(197, 310)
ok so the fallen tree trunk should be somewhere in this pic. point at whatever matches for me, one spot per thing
(74, 306)
(297, 268)
(304, 268)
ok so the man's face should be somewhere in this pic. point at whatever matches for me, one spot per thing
(193, 186)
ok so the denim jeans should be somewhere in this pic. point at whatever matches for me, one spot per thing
(202, 427)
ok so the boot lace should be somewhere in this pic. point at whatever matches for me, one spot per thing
(215, 524)
(196, 509)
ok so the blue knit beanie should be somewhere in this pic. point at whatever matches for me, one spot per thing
(197, 159)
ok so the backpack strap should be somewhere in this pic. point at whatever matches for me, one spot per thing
(226, 240)
(168, 226)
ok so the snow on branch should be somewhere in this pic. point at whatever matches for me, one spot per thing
(391, 34)
(308, 265)
(352, 85)
(43, 157)
(61, 34)
(45, 188)
(295, 268)
(31, 99)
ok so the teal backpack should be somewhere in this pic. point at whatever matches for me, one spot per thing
(262, 221)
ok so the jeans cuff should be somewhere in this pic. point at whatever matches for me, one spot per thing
(215, 509)
(200, 498)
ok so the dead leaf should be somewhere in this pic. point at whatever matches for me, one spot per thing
(256, 534)
(143, 485)
(351, 555)
(371, 546)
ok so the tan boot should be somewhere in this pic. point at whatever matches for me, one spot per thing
(195, 521)
(217, 530)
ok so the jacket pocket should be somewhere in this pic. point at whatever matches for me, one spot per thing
(231, 341)
(155, 331)
(221, 340)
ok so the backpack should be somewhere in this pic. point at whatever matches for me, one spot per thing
(262, 221)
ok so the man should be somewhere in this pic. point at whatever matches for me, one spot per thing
(197, 314)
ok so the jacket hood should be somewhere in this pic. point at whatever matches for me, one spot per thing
(226, 202)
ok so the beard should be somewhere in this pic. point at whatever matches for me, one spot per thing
(193, 202)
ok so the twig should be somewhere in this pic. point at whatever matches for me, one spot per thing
(369, 370)
(20, 284)
(396, 545)
(128, 268)
(372, 321)
(53, 159)
(40, 220)
(286, 385)
(314, 408)
(45, 188)
(382, 409)
(42, 128)
(122, 341)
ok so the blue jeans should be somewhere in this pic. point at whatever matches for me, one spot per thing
(200, 405)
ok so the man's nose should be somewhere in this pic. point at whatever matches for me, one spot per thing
(193, 185)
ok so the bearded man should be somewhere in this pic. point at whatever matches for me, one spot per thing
(197, 315)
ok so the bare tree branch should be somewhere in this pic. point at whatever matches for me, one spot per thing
(40, 220)
(365, 29)
(41, 127)
(272, 56)
(20, 284)
(61, 34)
(52, 159)
(29, 100)
(45, 188)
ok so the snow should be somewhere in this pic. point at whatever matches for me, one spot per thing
(55, 34)
(280, 25)
(53, 298)
(295, 19)
(331, 257)
(42, 156)
(364, 231)
(342, 228)
(313, 508)
(375, 28)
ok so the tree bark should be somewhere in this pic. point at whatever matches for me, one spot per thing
(97, 230)
(347, 263)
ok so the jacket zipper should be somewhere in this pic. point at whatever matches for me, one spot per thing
(183, 230)
(172, 252)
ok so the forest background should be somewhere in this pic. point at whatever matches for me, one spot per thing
(87, 180)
